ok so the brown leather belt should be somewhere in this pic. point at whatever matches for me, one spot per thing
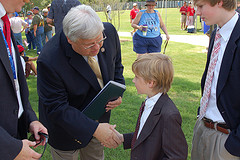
(222, 127)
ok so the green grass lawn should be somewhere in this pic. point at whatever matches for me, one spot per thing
(188, 61)
(172, 23)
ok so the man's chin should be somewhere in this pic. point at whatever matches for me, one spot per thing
(93, 53)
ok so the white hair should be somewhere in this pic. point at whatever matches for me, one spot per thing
(82, 22)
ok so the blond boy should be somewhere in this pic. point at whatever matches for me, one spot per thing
(158, 133)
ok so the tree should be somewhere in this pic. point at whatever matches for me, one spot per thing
(116, 9)
(41, 4)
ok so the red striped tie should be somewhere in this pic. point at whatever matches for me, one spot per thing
(138, 124)
(7, 31)
(208, 82)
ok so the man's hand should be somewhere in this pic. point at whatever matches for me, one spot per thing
(36, 127)
(106, 136)
(27, 153)
(113, 104)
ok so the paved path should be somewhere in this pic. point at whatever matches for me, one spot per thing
(201, 40)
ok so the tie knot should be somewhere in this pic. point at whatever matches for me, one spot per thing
(5, 18)
(91, 59)
(93, 63)
(218, 35)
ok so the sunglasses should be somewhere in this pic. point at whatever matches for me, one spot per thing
(43, 136)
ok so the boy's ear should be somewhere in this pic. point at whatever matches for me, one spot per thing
(220, 3)
(151, 84)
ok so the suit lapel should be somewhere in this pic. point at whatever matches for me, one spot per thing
(152, 120)
(228, 58)
(79, 64)
(5, 60)
(103, 64)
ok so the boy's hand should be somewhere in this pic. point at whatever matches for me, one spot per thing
(106, 136)
(120, 136)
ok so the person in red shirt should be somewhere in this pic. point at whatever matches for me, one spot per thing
(183, 11)
(190, 14)
(133, 14)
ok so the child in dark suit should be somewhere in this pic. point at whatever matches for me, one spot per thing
(158, 133)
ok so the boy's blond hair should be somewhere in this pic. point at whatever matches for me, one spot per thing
(227, 4)
(157, 67)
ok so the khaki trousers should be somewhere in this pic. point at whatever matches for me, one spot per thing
(208, 144)
(93, 151)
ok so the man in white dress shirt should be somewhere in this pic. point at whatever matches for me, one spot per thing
(16, 116)
(217, 130)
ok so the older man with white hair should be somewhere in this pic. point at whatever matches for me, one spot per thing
(67, 82)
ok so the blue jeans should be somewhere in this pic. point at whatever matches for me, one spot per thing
(38, 38)
(18, 38)
(48, 35)
(30, 40)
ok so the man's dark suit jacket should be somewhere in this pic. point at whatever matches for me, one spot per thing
(228, 88)
(161, 137)
(66, 84)
(10, 130)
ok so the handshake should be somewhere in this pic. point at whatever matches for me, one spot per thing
(108, 136)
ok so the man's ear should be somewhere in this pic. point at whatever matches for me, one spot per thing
(69, 41)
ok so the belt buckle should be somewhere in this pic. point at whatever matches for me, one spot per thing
(215, 125)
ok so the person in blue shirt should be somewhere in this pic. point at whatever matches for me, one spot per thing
(58, 10)
(152, 41)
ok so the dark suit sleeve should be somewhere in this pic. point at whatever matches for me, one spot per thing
(55, 101)
(127, 140)
(30, 115)
(9, 146)
(174, 142)
(233, 142)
